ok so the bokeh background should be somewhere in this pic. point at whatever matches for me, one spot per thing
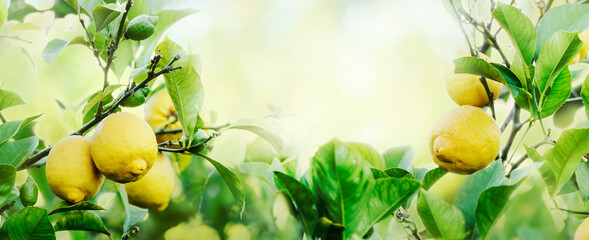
(363, 71)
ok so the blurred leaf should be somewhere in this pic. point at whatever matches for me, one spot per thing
(133, 214)
(369, 154)
(73, 4)
(14, 153)
(376, 174)
(519, 27)
(558, 94)
(139, 7)
(81, 220)
(232, 182)
(261, 169)
(566, 154)
(103, 15)
(184, 86)
(555, 54)
(400, 157)
(7, 198)
(24, 27)
(545, 170)
(262, 129)
(582, 177)
(9, 99)
(302, 198)
(194, 179)
(7, 178)
(442, 220)
(432, 177)
(386, 197)
(479, 67)
(53, 49)
(60, 104)
(585, 95)
(566, 17)
(3, 14)
(28, 223)
(125, 54)
(342, 181)
(448, 5)
(65, 206)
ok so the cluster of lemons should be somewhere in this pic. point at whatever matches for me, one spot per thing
(123, 149)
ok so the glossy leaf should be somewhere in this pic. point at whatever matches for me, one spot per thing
(302, 198)
(133, 214)
(14, 153)
(566, 154)
(399, 157)
(558, 94)
(566, 17)
(442, 220)
(519, 27)
(479, 67)
(368, 153)
(432, 177)
(514, 86)
(184, 86)
(262, 129)
(232, 182)
(104, 15)
(9, 99)
(53, 49)
(100, 96)
(81, 220)
(29, 223)
(582, 179)
(585, 95)
(66, 207)
(7, 178)
(399, 173)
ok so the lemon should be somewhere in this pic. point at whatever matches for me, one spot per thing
(29, 192)
(465, 140)
(159, 110)
(141, 27)
(136, 99)
(582, 232)
(584, 36)
(447, 186)
(467, 89)
(71, 173)
(153, 191)
(123, 147)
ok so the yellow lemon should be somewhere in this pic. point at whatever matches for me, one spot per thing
(160, 110)
(582, 232)
(584, 36)
(123, 147)
(153, 191)
(467, 89)
(465, 140)
(71, 173)
(447, 186)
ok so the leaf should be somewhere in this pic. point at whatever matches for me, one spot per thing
(184, 86)
(65, 206)
(302, 198)
(369, 154)
(432, 177)
(9, 99)
(559, 92)
(100, 96)
(398, 173)
(194, 179)
(7, 198)
(3, 14)
(81, 220)
(519, 27)
(29, 223)
(342, 181)
(232, 182)
(103, 15)
(442, 220)
(14, 153)
(554, 56)
(479, 67)
(566, 17)
(261, 169)
(53, 49)
(262, 129)
(400, 157)
(566, 154)
(545, 170)
(24, 27)
(582, 178)
(520, 95)
(585, 95)
(7, 178)
(386, 197)
(133, 214)
(73, 4)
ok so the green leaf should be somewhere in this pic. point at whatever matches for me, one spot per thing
(386, 197)
(514, 86)
(376, 174)
(566, 17)
(302, 198)
(558, 94)
(81, 220)
(7, 198)
(398, 173)
(263, 170)
(9, 99)
(432, 177)
(545, 170)
(566, 154)
(8, 130)
(29, 223)
(24, 27)
(369, 154)
(53, 49)
(194, 179)
(7, 178)
(585, 95)
(14, 153)
(232, 182)
(73, 4)
(342, 182)
(479, 67)
(184, 86)
(133, 214)
(400, 157)
(582, 178)
(519, 27)
(442, 220)
(554, 56)
(3, 14)
(262, 129)
(103, 15)
(65, 206)
(99, 96)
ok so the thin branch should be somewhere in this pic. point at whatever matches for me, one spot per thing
(517, 125)
(508, 118)
(571, 211)
(516, 164)
(2, 118)
(15, 38)
(574, 99)
(7, 206)
(490, 95)
(470, 47)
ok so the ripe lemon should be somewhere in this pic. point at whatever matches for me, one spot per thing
(447, 186)
(71, 173)
(153, 191)
(582, 232)
(584, 36)
(467, 89)
(141, 27)
(465, 140)
(123, 147)
(159, 108)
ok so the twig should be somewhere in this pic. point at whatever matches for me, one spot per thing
(517, 125)
(516, 164)
(508, 118)
(134, 230)
(574, 99)
(472, 52)
(489, 95)
(571, 211)
(7, 206)
(15, 38)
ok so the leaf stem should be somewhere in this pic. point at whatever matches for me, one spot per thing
(2, 118)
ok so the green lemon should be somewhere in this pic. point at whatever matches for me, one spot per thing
(136, 99)
(29, 192)
(141, 27)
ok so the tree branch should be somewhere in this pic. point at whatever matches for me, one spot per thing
(517, 125)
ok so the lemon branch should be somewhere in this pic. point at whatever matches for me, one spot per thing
(101, 115)
(515, 128)
(516, 164)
